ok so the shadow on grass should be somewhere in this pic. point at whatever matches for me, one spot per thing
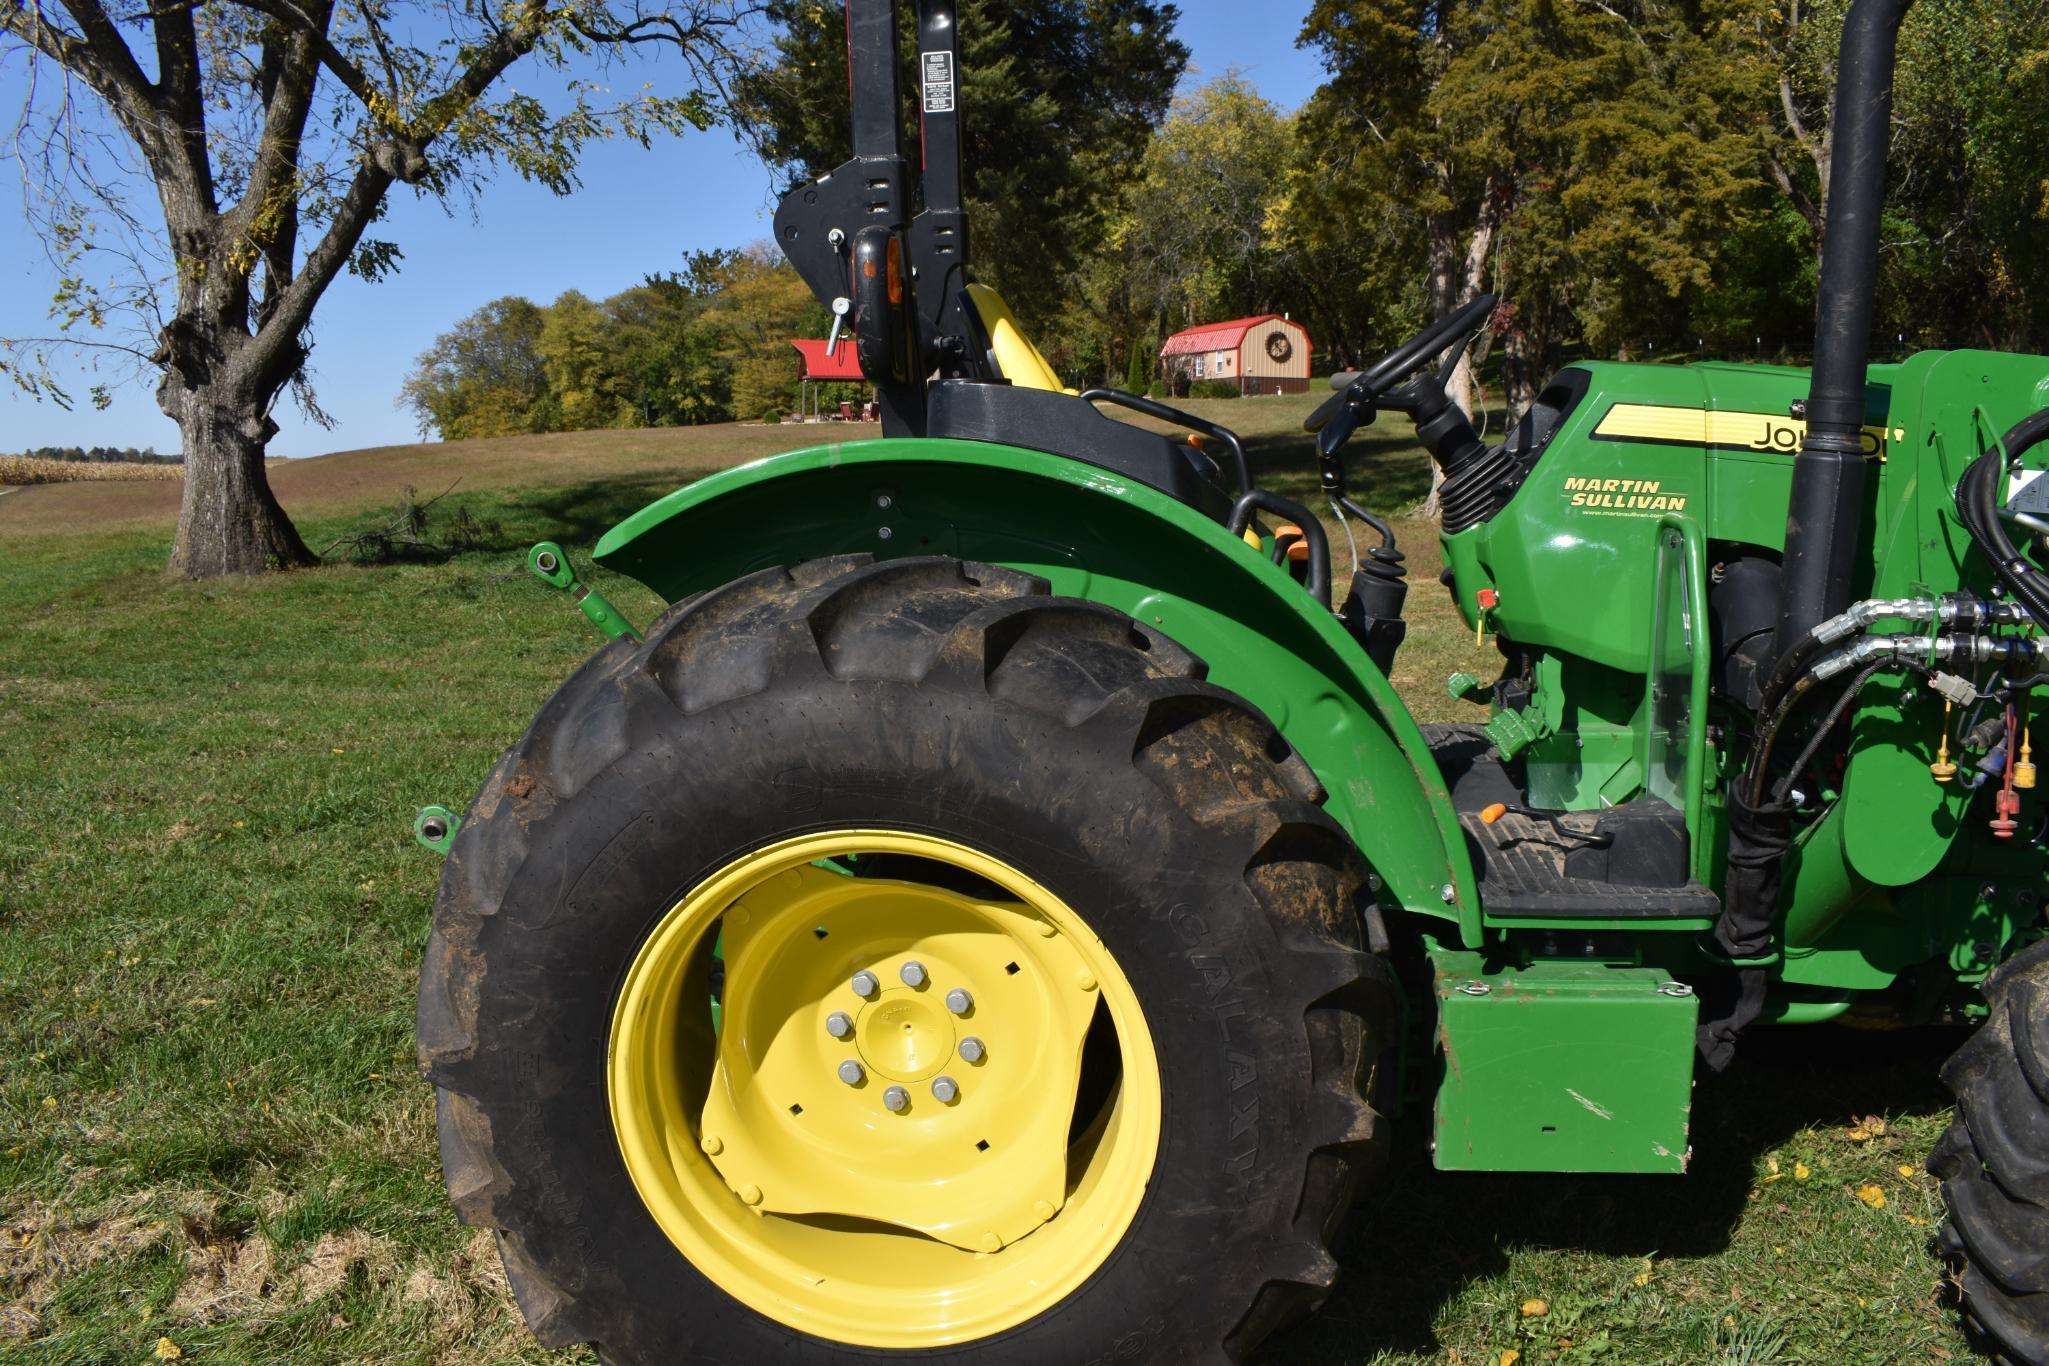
(1429, 1234)
(510, 520)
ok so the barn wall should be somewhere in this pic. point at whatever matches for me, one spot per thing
(1265, 374)
(1258, 362)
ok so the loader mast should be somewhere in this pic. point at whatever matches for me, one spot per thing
(894, 277)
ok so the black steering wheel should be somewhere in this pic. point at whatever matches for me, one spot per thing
(1338, 416)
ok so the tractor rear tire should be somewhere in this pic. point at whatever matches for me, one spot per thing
(1994, 1164)
(947, 700)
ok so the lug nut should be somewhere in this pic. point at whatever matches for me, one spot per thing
(971, 1049)
(945, 1090)
(864, 984)
(913, 973)
(960, 1001)
(896, 1100)
(851, 1073)
(839, 1024)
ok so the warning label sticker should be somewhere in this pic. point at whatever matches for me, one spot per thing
(938, 67)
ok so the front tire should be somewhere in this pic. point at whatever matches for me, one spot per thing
(1063, 752)
(1994, 1163)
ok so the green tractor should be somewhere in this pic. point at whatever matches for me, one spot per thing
(981, 919)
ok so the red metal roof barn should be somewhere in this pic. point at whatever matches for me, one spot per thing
(1268, 354)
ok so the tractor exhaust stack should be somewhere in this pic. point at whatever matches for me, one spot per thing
(1826, 509)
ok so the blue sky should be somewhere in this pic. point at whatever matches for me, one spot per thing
(639, 211)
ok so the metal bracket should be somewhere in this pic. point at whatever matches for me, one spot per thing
(435, 827)
(551, 566)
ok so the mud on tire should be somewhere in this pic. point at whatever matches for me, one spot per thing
(1994, 1164)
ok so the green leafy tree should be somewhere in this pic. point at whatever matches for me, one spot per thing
(1966, 228)
(760, 306)
(272, 133)
(1587, 161)
(665, 349)
(1138, 365)
(1197, 239)
(1058, 100)
(584, 379)
(484, 376)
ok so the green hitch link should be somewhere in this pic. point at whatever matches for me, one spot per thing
(435, 827)
(551, 566)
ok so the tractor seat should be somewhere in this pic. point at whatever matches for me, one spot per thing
(1065, 424)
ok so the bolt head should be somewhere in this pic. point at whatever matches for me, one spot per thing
(883, 533)
(945, 1090)
(839, 1024)
(1447, 893)
(851, 1072)
(960, 1000)
(711, 1144)
(1085, 979)
(971, 1049)
(750, 1194)
(883, 500)
(913, 973)
(896, 1100)
(864, 984)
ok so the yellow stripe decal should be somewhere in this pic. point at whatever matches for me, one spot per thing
(1712, 427)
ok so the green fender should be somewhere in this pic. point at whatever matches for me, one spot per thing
(1097, 535)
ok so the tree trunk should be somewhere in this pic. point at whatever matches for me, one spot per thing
(1530, 356)
(229, 521)
(1453, 283)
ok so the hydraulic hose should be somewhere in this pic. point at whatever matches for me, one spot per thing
(1977, 497)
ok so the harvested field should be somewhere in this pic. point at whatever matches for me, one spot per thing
(29, 469)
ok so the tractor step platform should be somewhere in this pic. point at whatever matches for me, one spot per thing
(1521, 862)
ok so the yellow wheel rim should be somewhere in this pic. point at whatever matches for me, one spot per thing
(980, 1158)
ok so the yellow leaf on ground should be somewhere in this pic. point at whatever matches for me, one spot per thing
(1872, 1196)
(1906, 1171)
(1771, 1164)
(339, 750)
(49, 1102)
(168, 1350)
(1535, 1309)
(1860, 1136)
(1640, 1278)
(1801, 1171)
(1916, 1222)
(1508, 1358)
(1874, 1124)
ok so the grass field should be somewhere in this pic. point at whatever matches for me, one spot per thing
(212, 1141)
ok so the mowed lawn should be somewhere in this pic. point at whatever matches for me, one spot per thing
(212, 1139)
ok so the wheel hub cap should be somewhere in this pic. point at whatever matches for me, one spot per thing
(979, 1172)
(887, 1129)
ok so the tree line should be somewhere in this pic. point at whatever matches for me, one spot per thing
(709, 343)
(1632, 177)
